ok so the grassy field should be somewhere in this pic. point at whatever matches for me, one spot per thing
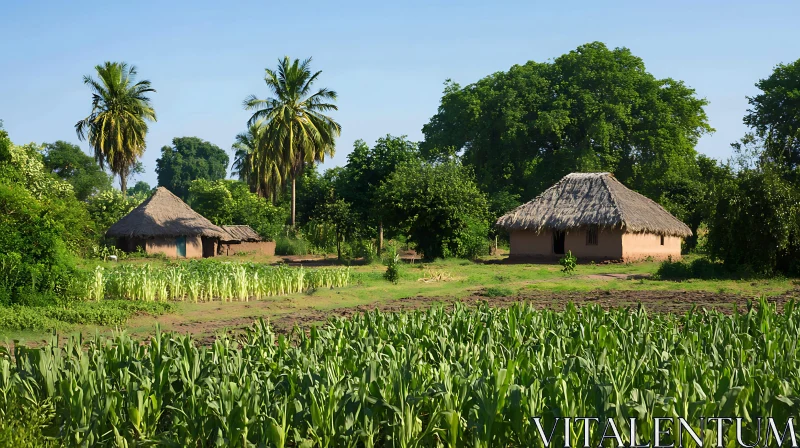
(422, 284)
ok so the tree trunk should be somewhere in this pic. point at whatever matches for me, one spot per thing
(123, 183)
(338, 248)
(380, 237)
(293, 203)
(294, 175)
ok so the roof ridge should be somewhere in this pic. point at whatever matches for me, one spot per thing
(614, 202)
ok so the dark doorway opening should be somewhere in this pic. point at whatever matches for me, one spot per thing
(558, 242)
(208, 247)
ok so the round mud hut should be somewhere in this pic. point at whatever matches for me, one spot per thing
(597, 218)
(165, 224)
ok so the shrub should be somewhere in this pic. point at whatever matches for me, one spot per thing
(497, 291)
(568, 263)
(288, 245)
(700, 268)
(392, 263)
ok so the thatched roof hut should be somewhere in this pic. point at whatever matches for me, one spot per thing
(585, 199)
(595, 217)
(164, 215)
(240, 233)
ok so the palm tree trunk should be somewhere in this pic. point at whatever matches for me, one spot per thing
(294, 175)
(123, 183)
(294, 178)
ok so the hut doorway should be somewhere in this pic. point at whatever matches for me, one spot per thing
(558, 242)
(180, 244)
(208, 247)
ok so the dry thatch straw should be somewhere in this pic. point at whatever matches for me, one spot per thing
(587, 199)
(240, 233)
(164, 214)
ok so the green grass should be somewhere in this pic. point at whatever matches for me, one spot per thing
(63, 317)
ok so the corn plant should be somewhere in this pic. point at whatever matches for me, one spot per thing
(209, 280)
(436, 378)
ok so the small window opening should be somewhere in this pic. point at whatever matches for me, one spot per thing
(662, 240)
(591, 236)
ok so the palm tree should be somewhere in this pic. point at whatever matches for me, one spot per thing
(295, 125)
(117, 126)
(265, 177)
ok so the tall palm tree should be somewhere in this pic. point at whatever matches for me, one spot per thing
(295, 124)
(265, 176)
(117, 127)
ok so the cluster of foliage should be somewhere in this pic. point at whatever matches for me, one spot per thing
(54, 317)
(190, 159)
(72, 165)
(592, 109)
(117, 126)
(505, 368)
(568, 263)
(701, 268)
(287, 131)
(755, 223)
(42, 224)
(207, 280)
(226, 202)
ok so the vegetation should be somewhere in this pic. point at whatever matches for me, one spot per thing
(568, 263)
(337, 387)
(592, 109)
(296, 130)
(439, 206)
(69, 163)
(187, 160)
(208, 280)
(756, 219)
(107, 313)
(117, 126)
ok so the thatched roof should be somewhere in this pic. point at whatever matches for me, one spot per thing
(240, 233)
(584, 199)
(164, 214)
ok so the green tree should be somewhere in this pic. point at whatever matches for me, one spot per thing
(108, 207)
(366, 169)
(593, 109)
(337, 213)
(265, 178)
(212, 200)
(774, 117)
(117, 126)
(141, 188)
(296, 126)
(440, 207)
(187, 160)
(69, 163)
(259, 213)
(756, 223)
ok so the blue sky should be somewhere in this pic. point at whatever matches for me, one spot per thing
(387, 61)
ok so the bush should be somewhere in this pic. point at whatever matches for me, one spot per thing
(756, 224)
(699, 268)
(440, 206)
(392, 263)
(288, 245)
(496, 291)
(568, 263)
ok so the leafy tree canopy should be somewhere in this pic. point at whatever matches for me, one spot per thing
(775, 117)
(141, 188)
(189, 159)
(69, 163)
(367, 168)
(440, 207)
(593, 109)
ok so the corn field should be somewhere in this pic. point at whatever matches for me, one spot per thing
(199, 281)
(435, 378)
